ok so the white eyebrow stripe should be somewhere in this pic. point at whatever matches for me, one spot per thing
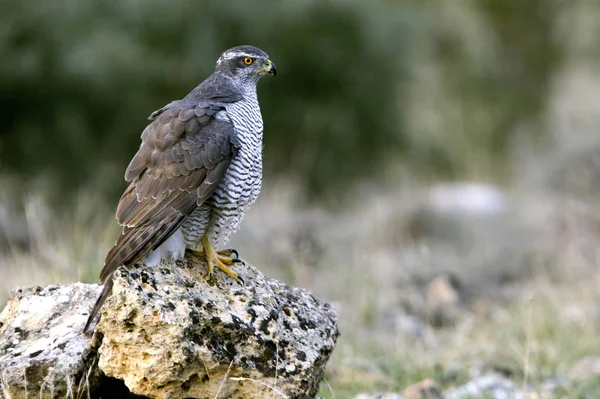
(235, 54)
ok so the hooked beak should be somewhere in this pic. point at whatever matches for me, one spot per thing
(270, 68)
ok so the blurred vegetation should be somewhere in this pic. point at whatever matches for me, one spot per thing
(496, 62)
(366, 91)
(78, 79)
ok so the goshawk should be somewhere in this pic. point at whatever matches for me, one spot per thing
(197, 171)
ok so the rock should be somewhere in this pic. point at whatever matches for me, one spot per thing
(493, 386)
(468, 198)
(585, 368)
(426, 389)
(442, 291)
(379, 396)
(166, 333)
(42, 351)
(443, 300)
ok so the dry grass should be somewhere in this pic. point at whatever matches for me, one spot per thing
(530, 316)
(41, 247)
(533, 328)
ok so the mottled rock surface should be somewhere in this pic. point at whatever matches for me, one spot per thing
(426, 389)
(169, 334)
(585, 368)
(493, 386)
(42, 351)
(379, 396)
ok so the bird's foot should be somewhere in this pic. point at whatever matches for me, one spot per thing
(221, 259)
(228, 257)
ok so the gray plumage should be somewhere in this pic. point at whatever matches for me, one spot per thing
(197, 171)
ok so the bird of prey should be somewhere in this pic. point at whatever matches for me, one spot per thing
(198, 169)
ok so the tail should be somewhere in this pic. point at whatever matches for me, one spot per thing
(106, 291)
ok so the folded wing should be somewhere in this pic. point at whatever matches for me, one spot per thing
(183, 157)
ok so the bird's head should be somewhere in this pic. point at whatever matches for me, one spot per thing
(245, 64)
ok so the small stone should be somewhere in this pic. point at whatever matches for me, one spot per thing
(493, 386)
(426, 389)
(443, 299)
(379, 396)
(442, 291)
(468, 198)
(585, 368)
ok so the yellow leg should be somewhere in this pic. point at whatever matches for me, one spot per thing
(224, 256)
(215, 259)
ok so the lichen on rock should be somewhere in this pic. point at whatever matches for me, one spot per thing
(168, 333)
(42, 351)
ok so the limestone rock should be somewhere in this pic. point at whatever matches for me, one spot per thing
(442, 291)
(426, 389)
(169, 334)
(585, 368)
(379, 396)
(468, 198)
(166, 333)
(42, 351)
(493, 386)
(443, 300)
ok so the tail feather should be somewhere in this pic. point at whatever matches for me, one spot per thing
(106, 291)
(145, 245)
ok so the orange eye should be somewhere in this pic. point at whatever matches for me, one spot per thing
(248, 61)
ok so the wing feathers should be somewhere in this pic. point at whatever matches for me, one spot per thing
(184, 155)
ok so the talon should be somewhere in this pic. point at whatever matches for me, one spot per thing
(220, 259)
(230, 253)
(241, 280)
(237, 260)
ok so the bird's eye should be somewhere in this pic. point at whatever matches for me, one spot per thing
(248, 61)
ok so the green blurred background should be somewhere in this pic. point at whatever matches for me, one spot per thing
(78, 79)
(409, 145)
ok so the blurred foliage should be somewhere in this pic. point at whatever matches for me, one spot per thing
(83, 76)
(78, 79)
(495, 61)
